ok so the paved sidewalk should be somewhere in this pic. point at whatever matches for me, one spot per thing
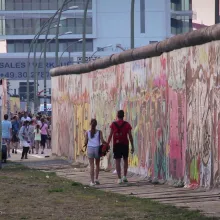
(207, 201)
(31, 157)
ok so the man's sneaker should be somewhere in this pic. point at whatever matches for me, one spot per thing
(92, 184)
(119, 181)
(124, 179)
(97, 182)
(13, 151)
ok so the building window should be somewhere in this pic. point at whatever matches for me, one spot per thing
(179, 26)
(17, 5)
(11, 5)
(142, 15)
(80, 3)
(9, 24)
(181, 5)
(26, 4)
(53, 5)
(31, 26)
(35, 5)
(44, 5)
(19, 46)
(64, 45)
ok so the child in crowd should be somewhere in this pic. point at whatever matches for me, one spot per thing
(31, 130)
(37, 138)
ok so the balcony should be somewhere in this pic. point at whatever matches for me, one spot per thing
(180, 14)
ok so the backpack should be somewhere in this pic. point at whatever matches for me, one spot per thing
(119, 136)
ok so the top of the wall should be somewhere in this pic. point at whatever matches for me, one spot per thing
(192, 38)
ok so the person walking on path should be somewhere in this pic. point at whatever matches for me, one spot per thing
(49, 137)
(31, 131)
(93, 137)
(15, 129)
(44, 133)
(121, 130)
(24, 136)
(25, 118)
(37, 138)
(6, 133)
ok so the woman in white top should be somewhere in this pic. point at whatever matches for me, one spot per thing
(37, 138)
(93, 139)
(24, 136)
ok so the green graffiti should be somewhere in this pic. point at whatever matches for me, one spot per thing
(194, 170)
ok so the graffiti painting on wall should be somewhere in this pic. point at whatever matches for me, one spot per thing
(172, 102)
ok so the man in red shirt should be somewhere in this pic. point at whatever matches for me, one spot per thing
(121, 130)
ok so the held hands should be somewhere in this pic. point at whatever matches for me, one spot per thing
(84, 148)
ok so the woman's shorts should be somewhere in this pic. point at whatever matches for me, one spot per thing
(14, 138)
(43, 140)
(93, 152)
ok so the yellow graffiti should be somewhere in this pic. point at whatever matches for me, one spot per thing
(203, 56)
(15, 104)
(133, 161)
(81, 125)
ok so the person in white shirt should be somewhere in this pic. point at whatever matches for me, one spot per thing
(37, 137)
(93, 139)
(25, 117)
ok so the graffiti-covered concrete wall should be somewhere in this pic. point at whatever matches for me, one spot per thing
(171, 100)
(4, 96)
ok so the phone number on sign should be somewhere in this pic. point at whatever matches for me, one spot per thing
(19, 75)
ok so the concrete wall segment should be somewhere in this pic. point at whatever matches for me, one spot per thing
(193, 38)
(171, 99)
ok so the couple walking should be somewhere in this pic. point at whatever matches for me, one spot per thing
(120, 131)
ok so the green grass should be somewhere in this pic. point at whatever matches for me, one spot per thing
(45, 196)
(55, 190)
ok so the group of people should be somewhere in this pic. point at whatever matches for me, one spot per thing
(121, 132)
(32, 132)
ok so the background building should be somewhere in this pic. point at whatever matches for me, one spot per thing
(204, 13)
(108, 23)
(181, 16)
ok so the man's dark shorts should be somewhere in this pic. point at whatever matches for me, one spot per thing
(120, 150)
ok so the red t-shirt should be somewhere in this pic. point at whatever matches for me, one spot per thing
(124, 130)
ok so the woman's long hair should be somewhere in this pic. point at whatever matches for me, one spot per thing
(93, 124)
(38, 128)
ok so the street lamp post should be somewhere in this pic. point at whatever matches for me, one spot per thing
(84, 32)
(42, 51)
(120, 47)
(132, 23)
(101, 48)
(57, 30)
(33, 43)
(45, 52)
(68, 48)
(35, 66)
